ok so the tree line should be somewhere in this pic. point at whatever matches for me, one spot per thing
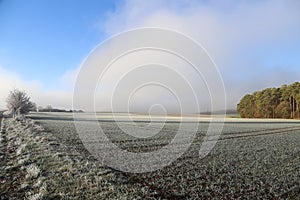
(19, 104)
(282, 102)
(51, 109)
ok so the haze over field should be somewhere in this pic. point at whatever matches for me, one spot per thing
(255, 45)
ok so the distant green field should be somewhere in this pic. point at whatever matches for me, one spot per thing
(253, 158)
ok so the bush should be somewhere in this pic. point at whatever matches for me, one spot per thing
(18, 103)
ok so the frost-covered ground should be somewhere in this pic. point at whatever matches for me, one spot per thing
(36, 165)
(253, 159)
(156, 118)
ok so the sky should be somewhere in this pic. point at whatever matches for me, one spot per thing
(43, 44)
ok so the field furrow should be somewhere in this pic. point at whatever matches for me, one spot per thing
(255, 159)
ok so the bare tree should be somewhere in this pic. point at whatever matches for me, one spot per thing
(18, 103)
(49, 108)
(34, 107)
(40, 108)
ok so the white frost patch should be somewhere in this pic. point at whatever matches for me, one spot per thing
(34, 196)
(23, 160)
(20, 150)
(32, 171)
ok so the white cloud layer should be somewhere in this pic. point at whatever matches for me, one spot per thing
(233, 33)
(10, 81)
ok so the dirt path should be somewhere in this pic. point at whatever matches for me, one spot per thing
(3, 159)
(2, 144)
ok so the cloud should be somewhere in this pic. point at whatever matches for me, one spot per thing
(68, 79)
(239, 35)
(10, 81)
(141, 78)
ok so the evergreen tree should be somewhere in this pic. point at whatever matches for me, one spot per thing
(283, 102)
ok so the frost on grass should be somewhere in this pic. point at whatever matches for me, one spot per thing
(40, 166)
(21, 149)
(32, 171)
(30, 196)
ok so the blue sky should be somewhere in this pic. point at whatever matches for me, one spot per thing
(42, 39)
(255, 44)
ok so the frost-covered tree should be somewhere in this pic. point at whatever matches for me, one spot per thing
(18, 103)
(49, 108)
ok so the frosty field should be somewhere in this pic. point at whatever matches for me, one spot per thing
(252, 159)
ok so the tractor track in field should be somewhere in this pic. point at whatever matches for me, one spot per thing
(240, 135)
(260, 133)
(228, 136)
(136, 145)
(160, 142)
